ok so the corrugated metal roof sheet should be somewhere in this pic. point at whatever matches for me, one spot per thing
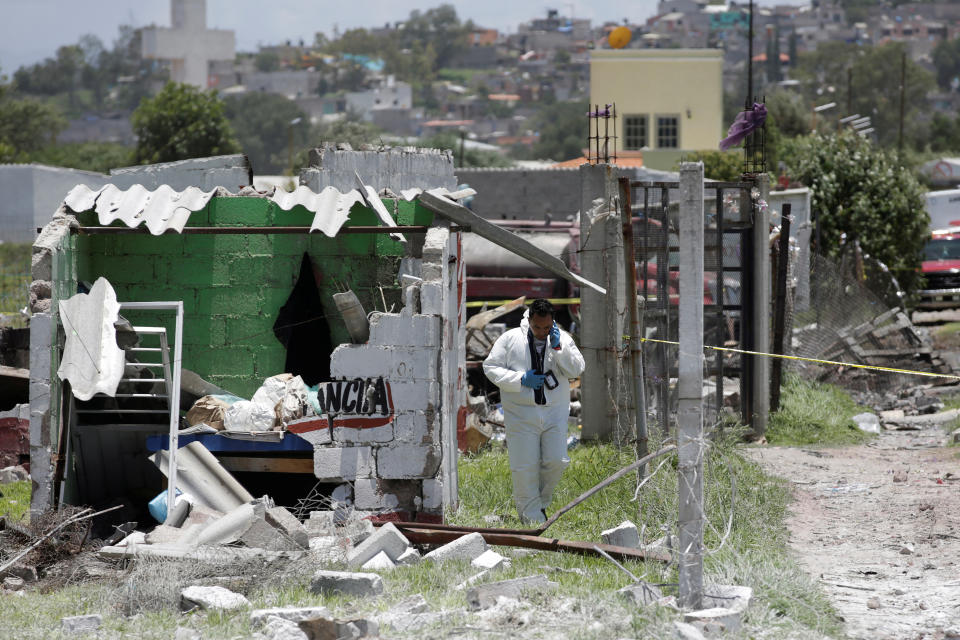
(330, 207)
(161, 209)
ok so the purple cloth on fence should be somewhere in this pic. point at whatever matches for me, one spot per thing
(745, 124)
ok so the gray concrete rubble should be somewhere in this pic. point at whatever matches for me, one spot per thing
(281, 629)
(379, 562)
(468, 547)
(211, 598)
(716, 620)
(641, 594)
(331, 629)
(287, 523)
(733, 597)
(686, 631)
(624, 534)
(387, 539)
(347, 583)
(81, 624)
(408, 557)
(14, 473)
(486, 595)
(259, 617)
(489, 560)
(13, 583)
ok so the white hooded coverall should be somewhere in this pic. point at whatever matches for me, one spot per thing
(536, 434)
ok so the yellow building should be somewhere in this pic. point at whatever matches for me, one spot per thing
(669, 101)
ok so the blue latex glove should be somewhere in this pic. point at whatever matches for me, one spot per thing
(532, 379)
(554, 336)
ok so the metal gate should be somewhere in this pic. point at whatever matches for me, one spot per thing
(728, 286)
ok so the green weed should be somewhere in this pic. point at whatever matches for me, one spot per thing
(15, 500)
(814, 413)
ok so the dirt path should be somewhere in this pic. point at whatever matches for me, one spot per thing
(879, 526)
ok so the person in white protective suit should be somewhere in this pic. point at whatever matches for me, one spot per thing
(532, 365)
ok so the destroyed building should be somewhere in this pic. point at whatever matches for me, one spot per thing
(257, 289)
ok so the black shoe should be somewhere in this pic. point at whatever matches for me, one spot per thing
(544, 512)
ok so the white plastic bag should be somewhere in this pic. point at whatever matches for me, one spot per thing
(248, 416)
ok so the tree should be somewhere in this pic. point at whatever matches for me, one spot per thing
(267, 61)
(89, 156)
(563, 130)
(862, 191)
(946, 60)
(26, 125)
(265, 127)
(718, 165)
(181, 122)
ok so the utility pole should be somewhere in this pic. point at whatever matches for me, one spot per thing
(749, 102)
(903, 97)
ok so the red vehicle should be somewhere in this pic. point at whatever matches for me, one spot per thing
(941, 268)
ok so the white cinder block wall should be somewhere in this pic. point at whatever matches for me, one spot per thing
(410, 464)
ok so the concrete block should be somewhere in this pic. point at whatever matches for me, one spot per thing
(387, 539)
(468, 547)
(294, 614)
(379, 562)
(727, 596)
(316, 437)
(412, 427)
(41, 265)
(215, 598)
(685, 631)
(390, 329)
(337, 464)
(409, 557)
(432, 494)
(716, 619)
(343, 582)
(486, 595)
(431, 296)
(287, 523)
(356, 527)
(276, 628)
(353, 436)
(367, 494)
(414, 396)
(490, 559)
(342, 495)
(360, 361)
(81, 624)
(623, 535)
(403, 461)
(328, 628)
(320, 523)
(328, 550)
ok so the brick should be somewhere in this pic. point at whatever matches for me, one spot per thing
(337, 464)
(404, 331)
(260, 245)
(431, 298)
(359, 361)
(349, 435)
(432, 494)
(368, 495)
(403, 461)
(387, 539)
(346, 583)
(271, 271)
(468, 547)
(623, 535)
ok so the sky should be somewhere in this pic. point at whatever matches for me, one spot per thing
(31, 30)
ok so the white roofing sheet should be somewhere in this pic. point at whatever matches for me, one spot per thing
(92, 361)
(161, 209)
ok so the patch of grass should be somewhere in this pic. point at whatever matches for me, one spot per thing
(946, 336)
(814, 413)
(14, 279)
(15, 500)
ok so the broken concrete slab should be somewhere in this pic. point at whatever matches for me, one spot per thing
(400, 622)
(867, 422)
(409, 557)
(486, 595)
(259, 617)
(199, 514)
(892, 414)
(715, 619)
(379, 562)
(211, 598)
(386, 539)
(686, 631)
(641, 595)
(163, 534)
(288, 524)
(490, 559)
(216, 554)
(927, 419)
(232, 526)
(14, 473)
(471, 580)
(280, 629)
(624, 534)
(13, 583)
(332, 629)
(345, 582)
(411, 604)
(467, 547)
(81, 624)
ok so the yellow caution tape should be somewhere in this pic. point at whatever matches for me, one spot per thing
(816, 360)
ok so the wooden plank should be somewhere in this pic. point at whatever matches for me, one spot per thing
(267, 465)
(14, 372)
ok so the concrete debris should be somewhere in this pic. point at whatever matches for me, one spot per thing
(892, 415)
(715, 620)
(400, 622)
(490, 559)
(728, 596)
(185, 633)
(472, 580)
(353, 584)
(13, 583)
(201, 515)
(641, 595)
(900, 475)
(219, 554)
(867, 422)
(215, 598)
(81, 624)
(330, 629)
(320, 523)
(409, 557)
(163, 534)
(624, 534)
(357, 530)
(280, 629)
(386, 539)
(258, 617)
(411, 604)
(379, 562)
(685, 631)
(26, 573)
(14, 473)
(287, 523)
(927, 419)
(486, 595)
(468, 547)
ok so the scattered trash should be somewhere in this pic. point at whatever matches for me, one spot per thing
(867, 422)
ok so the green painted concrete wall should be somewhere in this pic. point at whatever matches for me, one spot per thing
(233, 286)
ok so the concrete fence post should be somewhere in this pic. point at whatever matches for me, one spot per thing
(690, 442)
(762, 295)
